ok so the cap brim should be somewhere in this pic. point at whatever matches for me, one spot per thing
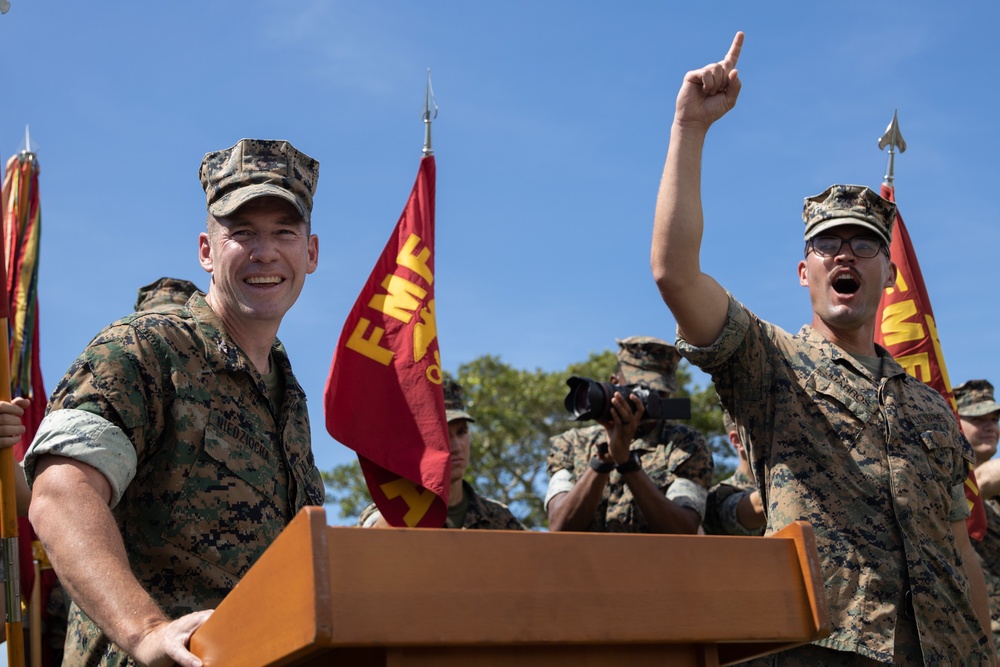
(452, 415)
(980, 409)
(228, 204)
(844, 222)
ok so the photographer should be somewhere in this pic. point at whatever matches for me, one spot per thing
(629, 473)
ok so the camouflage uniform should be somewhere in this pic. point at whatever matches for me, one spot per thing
(974, 398)
(482, 514)
(875, 465)
(217, 474)
(988, 552)
(675, 457)
(720, 508)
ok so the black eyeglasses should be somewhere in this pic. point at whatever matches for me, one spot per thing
(864, 247)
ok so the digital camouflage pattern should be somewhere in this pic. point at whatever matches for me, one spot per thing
(254, 168)
(219, 475)
(482, 514)
(974, 398)
(165, 293)
(872, 464)
(720, 508)
(648, 361)
(669, 451)
(454, 402)
(849, 205)
(988, 552)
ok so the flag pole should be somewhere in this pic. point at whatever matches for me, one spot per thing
(428, 117)
(8, 503)
(902, 254)
(892, 138)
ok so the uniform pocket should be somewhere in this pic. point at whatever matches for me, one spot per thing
(844, 409)
(226, 513)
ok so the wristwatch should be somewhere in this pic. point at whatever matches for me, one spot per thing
(631, 465)
(601, 467)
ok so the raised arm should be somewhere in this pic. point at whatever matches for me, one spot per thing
(697, 301)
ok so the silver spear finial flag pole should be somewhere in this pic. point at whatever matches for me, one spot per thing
(4, 6)
(429, 102)
(892, 138)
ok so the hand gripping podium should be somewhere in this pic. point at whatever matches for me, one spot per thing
(357, 597)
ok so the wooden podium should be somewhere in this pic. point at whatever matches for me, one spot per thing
(360, 597)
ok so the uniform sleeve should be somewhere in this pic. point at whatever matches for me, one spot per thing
(107, 410)
(698, 465)
(88, 438)
(721, 516)
(959, 504)
(120, 378)
(369, 516)
(733, 333)
(559, 482)
(560, 457)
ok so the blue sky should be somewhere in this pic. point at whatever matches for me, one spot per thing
(554, 121)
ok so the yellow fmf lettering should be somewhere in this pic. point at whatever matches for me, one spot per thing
(402, 300)
(424, 332)
(932, 328)
(417, 498)
(369, 347)
(433, 371)
(900, 284)
(416, 262)
(917, 365)
(895, 328)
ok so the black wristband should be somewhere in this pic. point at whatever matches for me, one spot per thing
(633, 464)
(601, 467)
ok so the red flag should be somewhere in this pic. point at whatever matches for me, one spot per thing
(383, 396)
(908, 331)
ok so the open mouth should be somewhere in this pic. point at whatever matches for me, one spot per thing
(846, 283)
(264, 280)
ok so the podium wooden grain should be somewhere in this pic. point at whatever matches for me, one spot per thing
(323, 595)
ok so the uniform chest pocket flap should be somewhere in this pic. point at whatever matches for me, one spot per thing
(945, 455)
(860, 403)
(844, 412)
(240, 458)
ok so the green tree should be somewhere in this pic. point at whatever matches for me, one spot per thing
(516, 412)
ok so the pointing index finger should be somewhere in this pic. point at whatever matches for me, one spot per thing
(734, 52)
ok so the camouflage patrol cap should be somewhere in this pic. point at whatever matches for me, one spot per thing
(975, 399)
(849, 205)
(165, 292)
(256, 168)
(649, 361)
(454, 402)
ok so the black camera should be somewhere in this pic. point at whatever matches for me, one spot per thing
(589, 399)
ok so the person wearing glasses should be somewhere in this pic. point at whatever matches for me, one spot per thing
(837, 433)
